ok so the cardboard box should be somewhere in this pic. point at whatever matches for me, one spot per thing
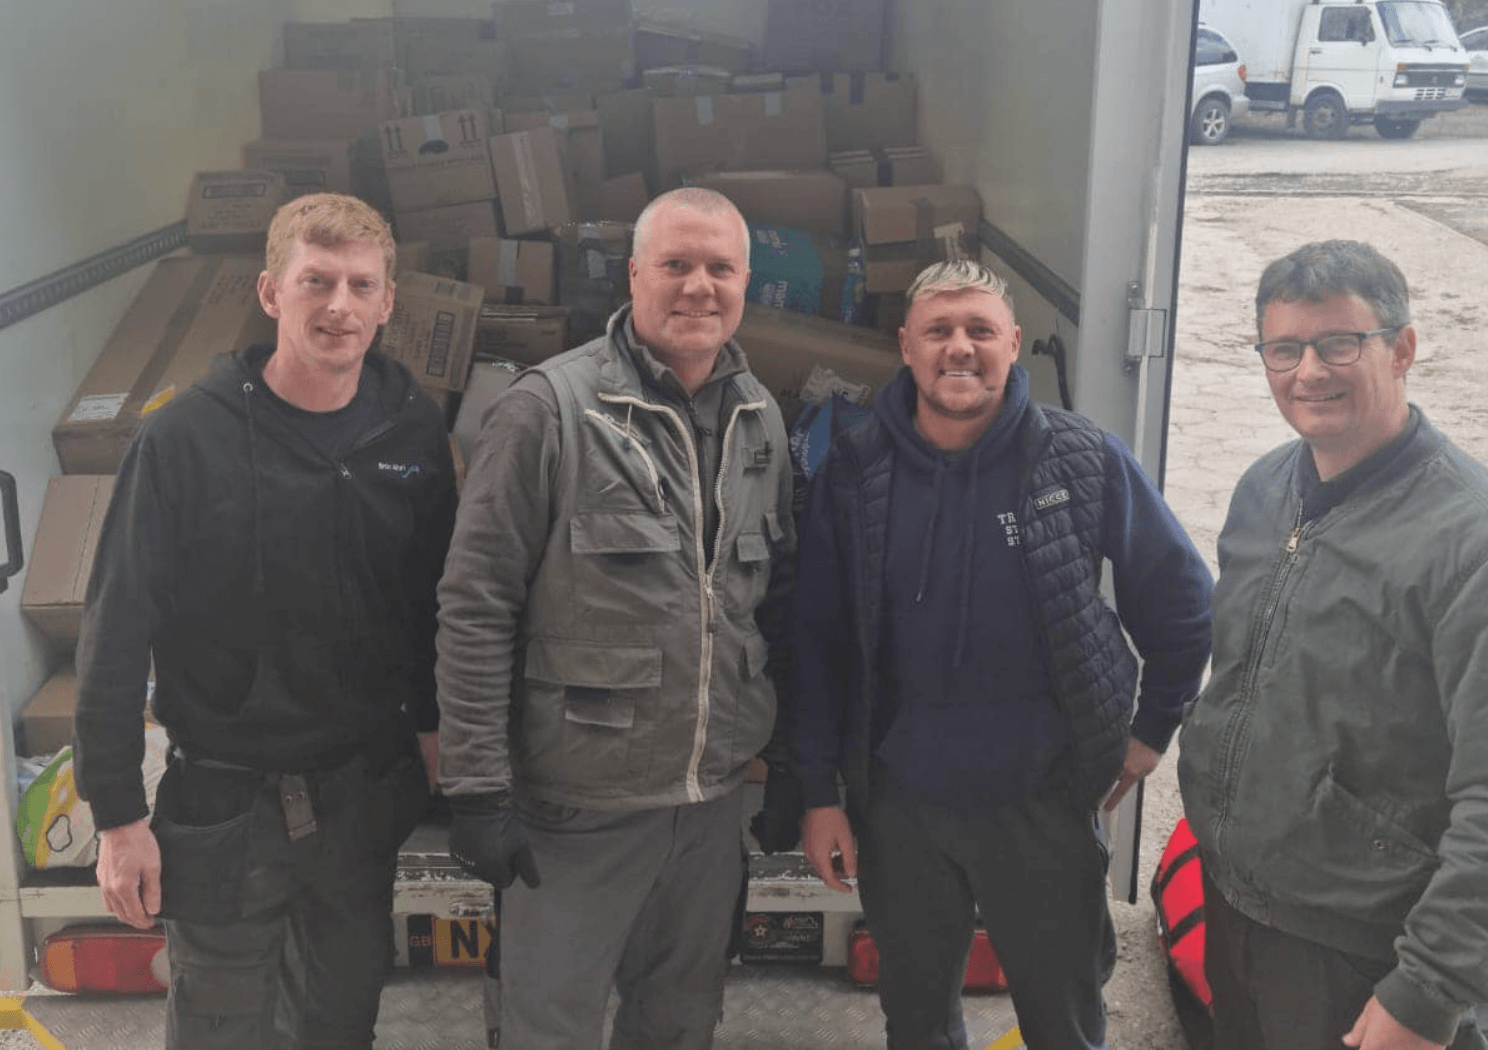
(628, 133)
(413, 255)
(363, 43)
(746, 83)
(658, 45)
(783, 346)
(230, 211)
(784, 271)
(439, 159)
(190, 310)
(572, 58)
(488, 380)
(432, 330)
(905, 228)
(895, 166)
(808, 36)
(524, 18)
(307, 167)
(442, 92)
(559, 100)
(623, 198)
(512, 271)
(784, 130)
(62, 553)
(798, 200)
(868, 110)
(593, 274)
(532, 181)
(450, 227)
(46, 722)
(526, 334)
(326, 103)
(582, 149)
(449, 45)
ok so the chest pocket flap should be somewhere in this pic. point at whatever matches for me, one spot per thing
(752, 547)
(622, 532)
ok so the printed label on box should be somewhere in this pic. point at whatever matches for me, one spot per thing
(97, 408)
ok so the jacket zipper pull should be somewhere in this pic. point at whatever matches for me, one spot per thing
(1293, 540)
(341, 469)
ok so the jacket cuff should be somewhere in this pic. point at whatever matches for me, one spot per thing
(1412, 1006)
(1154, 729)
(115, 808)
(819, 788)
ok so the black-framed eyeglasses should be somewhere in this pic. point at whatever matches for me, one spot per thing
(1333, 348)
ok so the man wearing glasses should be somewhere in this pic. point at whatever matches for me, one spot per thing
(1335, 768)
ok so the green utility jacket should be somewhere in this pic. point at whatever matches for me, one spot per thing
(1335, 768)
(591, 652)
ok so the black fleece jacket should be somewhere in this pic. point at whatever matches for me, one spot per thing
(286, 594)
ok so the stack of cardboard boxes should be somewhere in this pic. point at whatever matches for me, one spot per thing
(512, 153)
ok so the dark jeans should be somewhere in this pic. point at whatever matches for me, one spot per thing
(1276, 991)
(278, 943)
(1036, 871)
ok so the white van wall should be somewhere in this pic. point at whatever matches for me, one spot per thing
(106, 110)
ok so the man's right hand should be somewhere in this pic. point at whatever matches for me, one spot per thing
(488, 839)
(129, 872)
(825, 833)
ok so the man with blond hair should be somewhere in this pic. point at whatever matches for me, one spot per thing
(602, 671)
(958, 668)
(273, 545)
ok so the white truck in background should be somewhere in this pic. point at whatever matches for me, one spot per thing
(1070, 122)
(1337, 63)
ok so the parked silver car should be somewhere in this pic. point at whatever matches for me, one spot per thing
(1218, 88)
(1475, 41)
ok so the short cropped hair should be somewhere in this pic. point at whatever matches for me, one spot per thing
(1325, 269)
(958, 275)
(693, 198)
(327, 220)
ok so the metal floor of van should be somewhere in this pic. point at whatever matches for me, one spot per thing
(766, 1007)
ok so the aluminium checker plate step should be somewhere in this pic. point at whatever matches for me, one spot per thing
(766, 1007)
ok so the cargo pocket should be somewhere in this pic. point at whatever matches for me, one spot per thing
(599, 681)
(201, 865)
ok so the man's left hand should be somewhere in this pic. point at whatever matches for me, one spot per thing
(1377, 1030)
(1140, 760)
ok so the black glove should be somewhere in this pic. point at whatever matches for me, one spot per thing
(777, 826)
(488, 839)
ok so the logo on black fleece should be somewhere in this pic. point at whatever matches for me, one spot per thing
(401, 470)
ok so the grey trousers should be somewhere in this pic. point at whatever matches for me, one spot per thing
(1276, 991)
(1035, 870)
(640, 901)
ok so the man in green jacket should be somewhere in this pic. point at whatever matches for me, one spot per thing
(602, 664)
(1335, 768)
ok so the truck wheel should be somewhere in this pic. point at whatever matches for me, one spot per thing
(1211, 122)
(1395, 129)
(1325, 117)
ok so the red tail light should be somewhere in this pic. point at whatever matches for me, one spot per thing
(983, 971)
(105, 959)
(1241, 72)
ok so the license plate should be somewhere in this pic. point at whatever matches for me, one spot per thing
(433, 941)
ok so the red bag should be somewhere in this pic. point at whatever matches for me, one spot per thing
(1178, 892)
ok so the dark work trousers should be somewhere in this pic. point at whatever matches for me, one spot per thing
(1036, 871)
(278, 943)
(1276, 991)
(641, 901)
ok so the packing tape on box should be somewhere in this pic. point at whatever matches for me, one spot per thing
(527, 179)
(885, 166)
(703, 104)
(559, 121)
(774, 103)
(433, 131)
(506, 263)
(857, 87)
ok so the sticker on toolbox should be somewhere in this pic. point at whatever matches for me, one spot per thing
(446, 942)
(782, 936)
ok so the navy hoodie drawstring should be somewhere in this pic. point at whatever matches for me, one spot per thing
(258, 571)
(968, 546)
(930, 539)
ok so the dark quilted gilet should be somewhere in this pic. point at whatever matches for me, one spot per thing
(1093, 670)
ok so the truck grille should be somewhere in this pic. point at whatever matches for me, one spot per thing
(1430, 94)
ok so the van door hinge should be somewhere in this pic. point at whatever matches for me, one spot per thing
(1146, 328)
